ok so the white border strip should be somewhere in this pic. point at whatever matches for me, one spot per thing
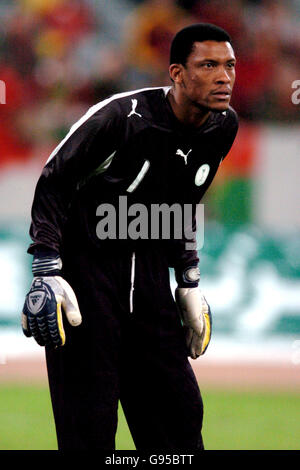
(139, 177)
(96, 108)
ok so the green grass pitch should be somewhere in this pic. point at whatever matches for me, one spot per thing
(232, 420)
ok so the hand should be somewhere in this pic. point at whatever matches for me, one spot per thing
(196, 317)
(42, 313)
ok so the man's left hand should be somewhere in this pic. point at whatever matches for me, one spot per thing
(196, 317)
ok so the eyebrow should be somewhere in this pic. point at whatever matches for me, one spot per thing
(233, 59)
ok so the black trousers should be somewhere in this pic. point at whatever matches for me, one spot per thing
(137, 357)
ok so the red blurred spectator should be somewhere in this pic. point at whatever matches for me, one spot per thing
(149, 32)
(72, 18)
(227, 15)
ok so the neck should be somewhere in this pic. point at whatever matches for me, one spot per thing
(187, 113)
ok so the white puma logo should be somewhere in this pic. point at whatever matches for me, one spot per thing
(134, 105)
(181, 154)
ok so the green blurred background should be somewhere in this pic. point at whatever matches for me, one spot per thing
(233, 420)
(57, 59)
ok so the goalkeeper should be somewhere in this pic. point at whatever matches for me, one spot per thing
(102, 305)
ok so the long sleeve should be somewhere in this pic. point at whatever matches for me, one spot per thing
(89, 143)
(184, 253)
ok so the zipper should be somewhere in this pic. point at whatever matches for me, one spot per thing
(132, 277)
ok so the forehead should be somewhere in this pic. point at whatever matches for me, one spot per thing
(219, 51)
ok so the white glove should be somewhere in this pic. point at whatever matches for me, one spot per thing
(42, 314)
(196, 317)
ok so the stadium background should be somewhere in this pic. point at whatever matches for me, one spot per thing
(57, 59)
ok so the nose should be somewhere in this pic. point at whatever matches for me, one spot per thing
(223, 76)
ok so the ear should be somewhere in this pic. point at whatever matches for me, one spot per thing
(175, 71)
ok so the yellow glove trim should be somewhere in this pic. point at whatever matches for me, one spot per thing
(207, 331)
(60, 324)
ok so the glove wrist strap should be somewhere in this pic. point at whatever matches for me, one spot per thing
(46, 266)
(189, 277)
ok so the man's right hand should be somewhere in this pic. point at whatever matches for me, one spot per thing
(49, 297)
(42, 315)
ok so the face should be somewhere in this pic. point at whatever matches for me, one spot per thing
(207, 79)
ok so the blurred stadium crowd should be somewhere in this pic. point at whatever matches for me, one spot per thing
(58, 58)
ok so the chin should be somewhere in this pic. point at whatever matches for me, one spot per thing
(217, 107)
(220, 107)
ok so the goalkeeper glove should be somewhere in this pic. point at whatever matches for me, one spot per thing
(42, 315)
(195, 313)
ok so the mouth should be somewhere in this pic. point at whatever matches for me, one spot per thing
(222, 94)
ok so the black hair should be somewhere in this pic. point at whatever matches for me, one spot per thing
(183, 41)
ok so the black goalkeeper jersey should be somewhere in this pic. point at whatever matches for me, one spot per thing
(132, 145)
